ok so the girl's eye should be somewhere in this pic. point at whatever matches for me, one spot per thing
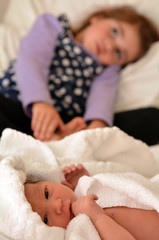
(46, 193)
(114, 32)
(118, 54)
(45, 219)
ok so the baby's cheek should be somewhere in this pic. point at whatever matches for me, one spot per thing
(61, 221)
(65, 223)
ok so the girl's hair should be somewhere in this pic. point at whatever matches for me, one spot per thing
(147, 30)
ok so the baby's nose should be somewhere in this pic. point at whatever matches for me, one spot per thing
(58, 206)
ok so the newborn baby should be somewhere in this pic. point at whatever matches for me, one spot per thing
(57, 205)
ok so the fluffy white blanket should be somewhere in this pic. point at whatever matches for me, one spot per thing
(126, 164)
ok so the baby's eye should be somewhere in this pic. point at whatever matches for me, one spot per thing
(46, 193)
(114, 32)
(45, 219)
(118, 54)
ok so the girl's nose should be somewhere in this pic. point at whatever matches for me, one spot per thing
(109, 45)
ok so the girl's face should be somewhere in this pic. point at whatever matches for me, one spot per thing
(112, 41)
(52, 201)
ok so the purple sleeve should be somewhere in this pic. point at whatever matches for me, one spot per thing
(34, 59)
(102, 96)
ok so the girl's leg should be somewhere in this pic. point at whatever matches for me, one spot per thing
(141, 123)
(12, 116)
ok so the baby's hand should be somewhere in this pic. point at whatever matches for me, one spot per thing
(88, 206)
(73, 173)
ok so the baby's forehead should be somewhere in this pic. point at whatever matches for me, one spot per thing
(43, 184)
(35, 182)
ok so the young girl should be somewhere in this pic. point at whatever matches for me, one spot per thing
(57, 204)
(62, 74)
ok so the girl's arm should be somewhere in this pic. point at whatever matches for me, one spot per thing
(34, 58)
(32, 69)
(107, 228)
(102, 96)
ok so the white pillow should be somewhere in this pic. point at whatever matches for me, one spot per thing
(139, 83)
(23, 13)
(4, 5)
(9, 43)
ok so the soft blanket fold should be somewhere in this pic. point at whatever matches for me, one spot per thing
(117, 160)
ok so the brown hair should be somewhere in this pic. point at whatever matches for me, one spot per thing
(147, 30)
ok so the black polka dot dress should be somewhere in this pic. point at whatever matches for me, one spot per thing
(71, 73)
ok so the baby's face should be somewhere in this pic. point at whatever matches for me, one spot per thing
(52, 201)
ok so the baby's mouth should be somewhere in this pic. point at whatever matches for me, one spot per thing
(71, 213)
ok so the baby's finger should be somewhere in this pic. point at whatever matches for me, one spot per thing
(67, 184)
(93, 196)
(67, 170)
(73, 167)
(80, 166)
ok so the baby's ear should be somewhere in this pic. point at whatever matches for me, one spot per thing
(67, 184)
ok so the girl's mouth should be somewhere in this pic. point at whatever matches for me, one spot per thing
(98, 48)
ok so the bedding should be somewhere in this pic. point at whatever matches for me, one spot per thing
(119, 157)
(114, 153)
(138, 84)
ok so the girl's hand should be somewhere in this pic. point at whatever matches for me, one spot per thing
(75, 125)
(45, 121)
(88, 206)
(73, 173)
(96, 124)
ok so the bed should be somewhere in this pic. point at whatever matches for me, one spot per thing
(121, 153)
(17, 17)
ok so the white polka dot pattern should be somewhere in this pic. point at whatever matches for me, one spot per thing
(72, 71)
